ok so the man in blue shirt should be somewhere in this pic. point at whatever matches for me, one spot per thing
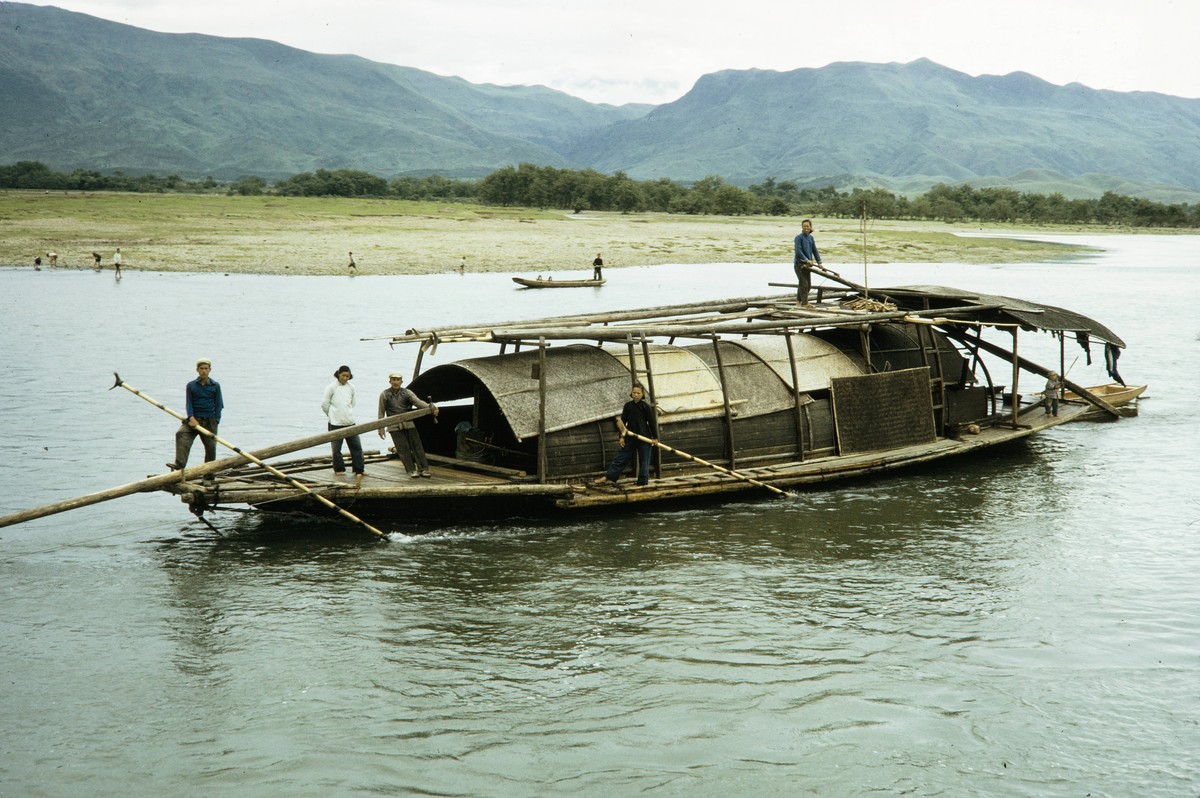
(204, 405)
(807, 256)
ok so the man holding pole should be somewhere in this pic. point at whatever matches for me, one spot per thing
(204, 406)
(637, 417)
(806, 257)
(397, 399)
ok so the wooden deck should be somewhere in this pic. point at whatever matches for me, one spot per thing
(387, 488)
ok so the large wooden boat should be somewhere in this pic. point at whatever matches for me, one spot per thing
(550, 282)
(749, 393)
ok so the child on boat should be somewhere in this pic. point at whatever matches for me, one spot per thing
(1050, 393)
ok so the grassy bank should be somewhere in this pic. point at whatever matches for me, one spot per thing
(299, 235)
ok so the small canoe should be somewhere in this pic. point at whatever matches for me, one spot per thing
(1114, 393)
(552, 283)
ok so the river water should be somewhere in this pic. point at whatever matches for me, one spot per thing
(1025, 624)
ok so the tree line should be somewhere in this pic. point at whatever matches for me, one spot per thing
(529, 185)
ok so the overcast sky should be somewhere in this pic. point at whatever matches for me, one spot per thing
(653, 51)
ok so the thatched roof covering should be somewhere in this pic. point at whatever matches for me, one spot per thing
(587, 383)
(583, 384)
(1003, 310)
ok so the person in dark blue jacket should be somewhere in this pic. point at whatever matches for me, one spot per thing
(806, 257)
(204, 406)
(637, 416)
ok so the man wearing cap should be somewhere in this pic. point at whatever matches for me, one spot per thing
(397, 399)
(338, 406)
(204, 406)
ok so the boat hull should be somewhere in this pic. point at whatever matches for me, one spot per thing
(1113, 393)
(389, 495)
(528, 282)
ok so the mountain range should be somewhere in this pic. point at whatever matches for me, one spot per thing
(77, 91)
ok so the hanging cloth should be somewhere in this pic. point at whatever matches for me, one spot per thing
(1085, 342)
(1111, 353)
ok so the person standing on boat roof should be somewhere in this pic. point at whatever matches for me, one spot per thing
(637, 416)
(338, 406)
(805, 258)
(598, 267)
(204, 406)
(397, 399)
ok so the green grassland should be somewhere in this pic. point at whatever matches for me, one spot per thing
(302, 235)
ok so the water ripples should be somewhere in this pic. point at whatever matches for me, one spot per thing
(1020, 624)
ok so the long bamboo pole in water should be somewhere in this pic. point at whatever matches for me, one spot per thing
(257, 461)
(704, 462)
(195, 472)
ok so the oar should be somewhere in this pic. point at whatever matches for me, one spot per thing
(271, 469)
(831, 275)
(701, 461)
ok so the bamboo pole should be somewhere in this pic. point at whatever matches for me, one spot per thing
(542, 460)
(1016, 373)
(703, 329)
(743, 303)
(163, 480)
(257, 461)
(778, 318)
(701, 461)
(648, 390)
(791, 350)
(729, 441)
(866, 275)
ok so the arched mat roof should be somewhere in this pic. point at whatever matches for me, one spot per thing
(817, 361)
(585, 383)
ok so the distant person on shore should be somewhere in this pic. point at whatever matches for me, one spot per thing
(53, 256)
(397, 399)
(117, 263)
(96, 261)
(352, 266)
(598, 268)
(462, 266)
(805, 258)
(636, 416)
(37, 263)
(204, 405)
(1050, 393)
(338, 407)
